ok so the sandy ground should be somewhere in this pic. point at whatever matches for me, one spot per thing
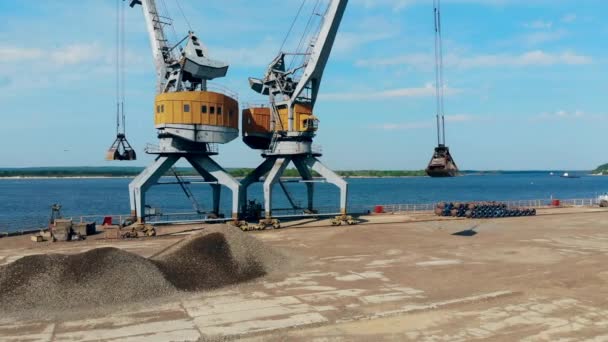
(390, 278)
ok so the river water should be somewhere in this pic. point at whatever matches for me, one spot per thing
(25, 203)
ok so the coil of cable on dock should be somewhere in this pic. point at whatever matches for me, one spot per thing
(479, 210)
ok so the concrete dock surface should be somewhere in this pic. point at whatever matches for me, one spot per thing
(392, 277)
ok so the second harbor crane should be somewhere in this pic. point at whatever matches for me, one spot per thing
(284, 130)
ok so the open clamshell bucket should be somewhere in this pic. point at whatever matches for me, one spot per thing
(121, 150)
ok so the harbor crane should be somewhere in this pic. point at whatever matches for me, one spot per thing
(284, 130)
(442, 164)
(190, 118)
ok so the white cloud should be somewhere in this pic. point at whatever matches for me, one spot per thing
(569, 116)
(404, 126)
(348, 41)
(569, 18)
(15, 54)
(395, 5)
(539, 37)
(398, 5)
(539, 25)
(425, 91)
(60, 65)
(530, 58)
(77, 54)
(459, 118)
(561, 115)
(67, 55)
(258, 55)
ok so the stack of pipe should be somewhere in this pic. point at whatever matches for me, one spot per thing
(478, 210)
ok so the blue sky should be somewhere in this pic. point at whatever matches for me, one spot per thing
(526, 80)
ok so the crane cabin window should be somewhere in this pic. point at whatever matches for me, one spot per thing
(219, 110)
(186, 108)
(162, 108)
(158, 109)
(204, 109)
(211, 110)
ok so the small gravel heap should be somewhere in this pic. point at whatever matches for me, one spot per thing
(103, 276)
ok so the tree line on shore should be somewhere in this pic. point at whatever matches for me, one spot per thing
(601, 170)
(182, 171)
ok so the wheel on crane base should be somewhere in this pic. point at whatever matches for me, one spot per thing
(242, 225)
(347, 219)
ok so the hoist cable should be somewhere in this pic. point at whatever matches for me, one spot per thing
(441, 78)
(438, 78)
(293, 23)
(167, 14)
(117, 66)
(183, 15)
(123, 54)
(304, 34)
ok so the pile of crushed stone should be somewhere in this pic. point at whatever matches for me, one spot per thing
(224, 255)
(218, 256)
(103, 276)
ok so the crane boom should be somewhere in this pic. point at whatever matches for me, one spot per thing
(187, 71)
(317, 60)
(156, 34)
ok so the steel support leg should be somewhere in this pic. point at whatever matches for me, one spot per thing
(148, 177)
(332, 178)
(217, 192)
(306, 174)
(254, 177)
(215, 188)
(273, 176)
(207, 166)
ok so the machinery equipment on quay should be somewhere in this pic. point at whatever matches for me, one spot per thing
(442, 164)
(284, 130)
(190, 118)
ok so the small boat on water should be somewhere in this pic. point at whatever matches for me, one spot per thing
(567, 175)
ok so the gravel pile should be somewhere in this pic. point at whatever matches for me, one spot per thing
(104, 276)
(219, 256)
(222, 255)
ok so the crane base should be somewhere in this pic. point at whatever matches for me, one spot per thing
(273, 168)
(211, 172)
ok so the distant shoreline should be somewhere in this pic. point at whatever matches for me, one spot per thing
(63, 177)
(131, 172)
(187, 176)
